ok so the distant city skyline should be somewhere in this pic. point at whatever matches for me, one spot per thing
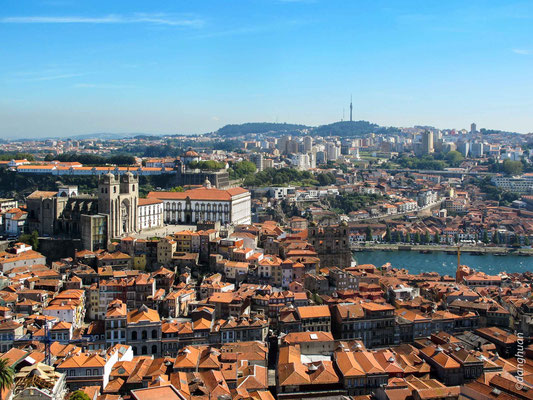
(73, 68)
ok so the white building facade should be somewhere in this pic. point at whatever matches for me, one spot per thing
(150, 214)
(232, 206)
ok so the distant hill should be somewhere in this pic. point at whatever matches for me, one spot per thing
(353, 128)
(497, 132)
(259, 127)
(108, 136)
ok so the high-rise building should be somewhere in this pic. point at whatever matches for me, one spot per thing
(282, 144)
(351, 109)
(463, 147)
(427, 142)
(292, 147)
(321, 157)
(257, 159)
(301, 162)
(332, 151)
(477, 149)
(308, 144)
(473, 128)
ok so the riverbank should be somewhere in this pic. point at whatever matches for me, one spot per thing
(432, 248)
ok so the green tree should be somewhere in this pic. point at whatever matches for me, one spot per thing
(16, 156)
(325, 179)
(436, 238)
(368, 234)
(418, 239)
(242, 169)
(512, 167)
(496, 238)
(396, 237)
(177, 189)
(454, 158)
(388, 235)
(427, 237)
(7, 375)
(408, 238)
(456, 238)
(79, 395)
(32, 239)
(485, 237)
(526, 241)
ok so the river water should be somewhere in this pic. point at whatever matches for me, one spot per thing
(443, 263)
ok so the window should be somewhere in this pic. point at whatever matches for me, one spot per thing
(154, 334)
(88, 372)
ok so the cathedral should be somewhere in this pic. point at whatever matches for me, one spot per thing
(115, 211)
(119, 198)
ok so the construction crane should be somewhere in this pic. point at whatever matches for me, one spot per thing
(45, 339)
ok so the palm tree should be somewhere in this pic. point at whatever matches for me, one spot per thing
(6, 375)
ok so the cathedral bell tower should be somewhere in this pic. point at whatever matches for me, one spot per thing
(118, 198)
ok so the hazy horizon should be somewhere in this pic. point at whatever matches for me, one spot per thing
(73, 68)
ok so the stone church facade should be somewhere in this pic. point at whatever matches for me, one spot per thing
(119, 198)
(95, 219)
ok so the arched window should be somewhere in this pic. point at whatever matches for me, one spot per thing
(144, 350)
(154, 334)
(134, 335)
(134, 350)
(154, 349)
(144, 335)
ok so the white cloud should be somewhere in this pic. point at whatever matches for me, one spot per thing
(523, 52)
(102, 86)
(51, 77)
(155, 19)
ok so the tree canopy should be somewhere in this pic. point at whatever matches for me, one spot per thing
(79, 395)
(209, 165)
(258, 127)
(8, 156)
(281, 177)
(30, 238)
(93, 159)
(242, 169)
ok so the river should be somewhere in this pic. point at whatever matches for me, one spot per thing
(443, 263)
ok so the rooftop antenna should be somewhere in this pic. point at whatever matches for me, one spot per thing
(351, 108)
(342, 114)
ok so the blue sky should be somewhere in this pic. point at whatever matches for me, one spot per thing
(69, 67)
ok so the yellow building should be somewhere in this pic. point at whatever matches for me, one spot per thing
(184, 239)
(139, 262)
(166, 247)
